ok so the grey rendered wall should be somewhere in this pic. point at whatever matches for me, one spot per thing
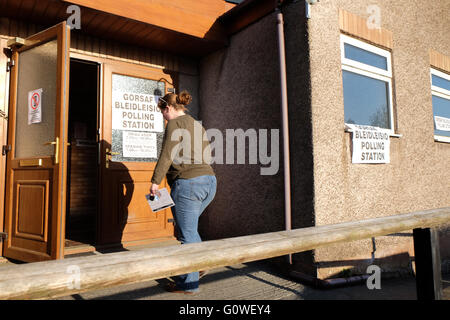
(188, 79)
(239, 88)
(300, 126)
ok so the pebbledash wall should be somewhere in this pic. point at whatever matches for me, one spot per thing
(239, 88)
(418, 175)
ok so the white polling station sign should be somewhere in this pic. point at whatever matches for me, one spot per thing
(136, 112)
(370, 144)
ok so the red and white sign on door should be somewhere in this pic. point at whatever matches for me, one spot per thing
(35, 106)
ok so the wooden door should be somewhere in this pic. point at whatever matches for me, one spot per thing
(132, 129)
(36, 161)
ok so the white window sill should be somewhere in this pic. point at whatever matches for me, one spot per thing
(392, 135)
(442, 139)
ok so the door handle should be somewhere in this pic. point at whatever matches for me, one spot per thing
(108, 155)
(56, 144)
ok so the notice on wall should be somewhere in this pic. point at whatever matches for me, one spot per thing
(136, 112)
(35, 106)
(139, 145)
(370, 144)
(442, 123)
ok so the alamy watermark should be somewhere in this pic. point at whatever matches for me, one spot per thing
(374, 281)
(74, 21)
(74, 280)
(374, 19)
(237, 151)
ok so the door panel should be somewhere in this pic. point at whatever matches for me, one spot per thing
(31, 214)
(129, 116)
(36, 163)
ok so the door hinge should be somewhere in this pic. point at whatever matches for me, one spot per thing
(3, 235)
(6, 149)
(9, 65)
(8, 52)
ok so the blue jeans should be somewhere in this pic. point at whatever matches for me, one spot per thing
(191, 197)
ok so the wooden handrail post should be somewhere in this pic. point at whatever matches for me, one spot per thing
(428, 264)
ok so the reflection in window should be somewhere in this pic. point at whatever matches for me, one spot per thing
(366, 100)
(367, 84)
(440, 82)
(366, 57)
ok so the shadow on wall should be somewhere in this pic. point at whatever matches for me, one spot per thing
(118, 194)
(240, 88)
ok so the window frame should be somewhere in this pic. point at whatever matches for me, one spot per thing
(370, 71)
(441, 93)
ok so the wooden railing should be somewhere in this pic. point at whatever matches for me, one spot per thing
(56, 278)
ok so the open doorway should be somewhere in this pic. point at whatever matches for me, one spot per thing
(82, 170)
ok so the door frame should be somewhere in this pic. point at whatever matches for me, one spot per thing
(4, 141)
(135, 68)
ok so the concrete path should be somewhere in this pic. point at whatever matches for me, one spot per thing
(257, 281)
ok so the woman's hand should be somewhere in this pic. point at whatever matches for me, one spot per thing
(153, 189)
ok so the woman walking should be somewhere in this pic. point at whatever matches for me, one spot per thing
(184, 160)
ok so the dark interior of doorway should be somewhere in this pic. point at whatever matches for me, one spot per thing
(82, 173)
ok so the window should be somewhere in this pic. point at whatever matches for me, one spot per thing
(440, 91)
(367, 81)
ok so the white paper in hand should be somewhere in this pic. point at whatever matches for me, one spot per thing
(161, 201)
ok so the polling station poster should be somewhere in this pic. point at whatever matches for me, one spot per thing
(136, 112)
(370, 144)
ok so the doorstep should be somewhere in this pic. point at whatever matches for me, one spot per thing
(128, 246)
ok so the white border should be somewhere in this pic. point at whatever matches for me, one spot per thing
(368, 47)
(441, 75)
(439, 94)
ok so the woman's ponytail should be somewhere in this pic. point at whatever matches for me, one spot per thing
(184, 98)
(178, 101)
